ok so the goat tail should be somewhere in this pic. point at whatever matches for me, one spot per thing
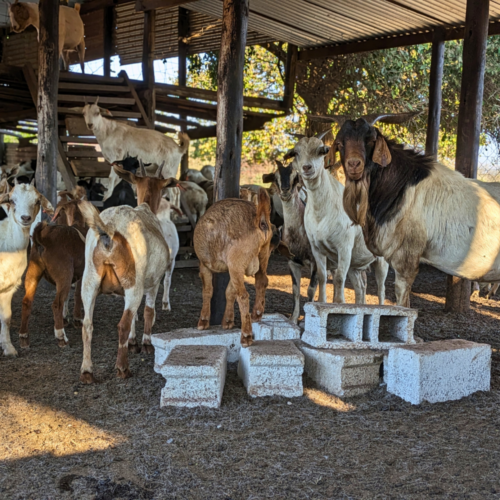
(184, 141)
(77, 7)
(94, 221)
(263, 218)
(37, 237)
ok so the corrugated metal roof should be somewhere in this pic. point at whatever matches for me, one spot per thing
(312, 23)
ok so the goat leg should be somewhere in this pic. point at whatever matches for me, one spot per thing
(5, 317)
(228, 319)
(261, 282)
(206, 279)
(77, 308)
(295, 272)
(33, 277)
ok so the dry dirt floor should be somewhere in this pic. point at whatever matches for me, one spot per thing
(62, 439)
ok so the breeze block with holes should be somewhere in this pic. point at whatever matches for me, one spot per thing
(343, 372)
(165, 342)
(272, 368)
(275, 327)
(357, 326)
(195, 376)
(439, 371)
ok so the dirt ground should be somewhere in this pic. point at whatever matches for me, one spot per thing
(61, 439)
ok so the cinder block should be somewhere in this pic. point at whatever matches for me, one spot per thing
(343, 372)
(357, 326)
(272, 368)
(165, 342)
(195, 376)
(438, 371)
(275, 327)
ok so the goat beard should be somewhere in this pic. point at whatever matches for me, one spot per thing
(356, 199)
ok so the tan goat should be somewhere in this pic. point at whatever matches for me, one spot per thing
(235, 236)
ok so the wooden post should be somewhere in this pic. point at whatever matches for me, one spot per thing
(435, 93)
(48, 82)
(229, 122)
(148, 70)
(108, 25)
(469, 122)
(183, 31)
(290, 73)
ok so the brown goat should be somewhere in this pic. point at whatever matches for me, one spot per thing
(58, 255)
(235, 236)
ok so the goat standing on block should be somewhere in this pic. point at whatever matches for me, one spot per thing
(331, 233)
(286, 181)
(23, 203)
(235, 236)
(126, 254)
(58, 255)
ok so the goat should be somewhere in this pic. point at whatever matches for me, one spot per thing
(123, 194)
(330, 231)
(119, 140)
(71, 30)
(209, 172)
(235, 236)
(287, 181)
(195, 197)
(58, 255)
(126, 254)
(195, 176)
(412, 209)
(208, 187)
(23, 203)
(23, 172)
(94, 192)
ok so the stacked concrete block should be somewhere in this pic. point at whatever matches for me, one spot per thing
(357, 326)
(438, 371)
(272, 368)
(165, 342)
(275, 327)
(195, 376)
(343, 372)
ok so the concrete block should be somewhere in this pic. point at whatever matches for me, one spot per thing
(275, 327)
(195, 376)
(272, 368)
(165, 342)
(343, 372)
(438, 371)
(357, 326)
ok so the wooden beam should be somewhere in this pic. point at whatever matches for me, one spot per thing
(290, 74)
(96, 88)
(65, 167)
(116, 114)
(182, 32)
(123, 101)
(109, 24)
(229, 122)
(435, 94)
(48, 80)
(138, 102)
(469, 123)
(95, 5)
(22, 114)
(148, 70)
(144, 5)
(387, 42)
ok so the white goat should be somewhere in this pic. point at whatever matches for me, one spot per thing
(195, 197)
(209, 172)
(22, 204)
(71, 31)
(119, 140)
(330, 231)
(195, 176)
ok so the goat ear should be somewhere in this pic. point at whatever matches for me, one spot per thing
(124, 174)
(170, 182)
(4, 198)
(290, 154)
(381, 153)
(46, 205)
(105, 111)
(268, 178)
(323, 150)
(331, 156)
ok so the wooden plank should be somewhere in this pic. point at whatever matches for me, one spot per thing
(183, 229)
(290, 74)
(76, 125)
(117, 114)
(90, 168)
(122, 101)
(183, 264)
(96, 89)
(72, 154)
(94, 5)
(78, 140)
(136, 100)
(79, 78)
(11, 116)
(32, 82)
(64, 168)
(145, 5)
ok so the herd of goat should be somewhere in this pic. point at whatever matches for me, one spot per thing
(398, 208)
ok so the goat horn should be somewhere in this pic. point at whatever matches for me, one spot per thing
(391, 118)
(96, 101)
(338, 119)
(160, 168)
(142, 170)
(322, 134)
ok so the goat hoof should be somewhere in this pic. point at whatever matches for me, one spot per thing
(227, 325)
(246, 341)
(87, 378)
(10, 351)
(62, 343)
(123, 373)
(24, 343)
(166, 306)
(77, 323)
(148, 349)
(203, 324)
(134, 348)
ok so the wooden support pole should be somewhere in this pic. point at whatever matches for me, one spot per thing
(108, 23)
(290, 73)
(229, 122)
(435, 93)
(148, 70)
(469, 122)
(183, 31)
(48, 81)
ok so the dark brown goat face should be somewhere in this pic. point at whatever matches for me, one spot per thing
(358, 142)
(285, 179)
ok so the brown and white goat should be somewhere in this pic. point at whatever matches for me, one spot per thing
(58, 255)
(126, 254)
(235, 236)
